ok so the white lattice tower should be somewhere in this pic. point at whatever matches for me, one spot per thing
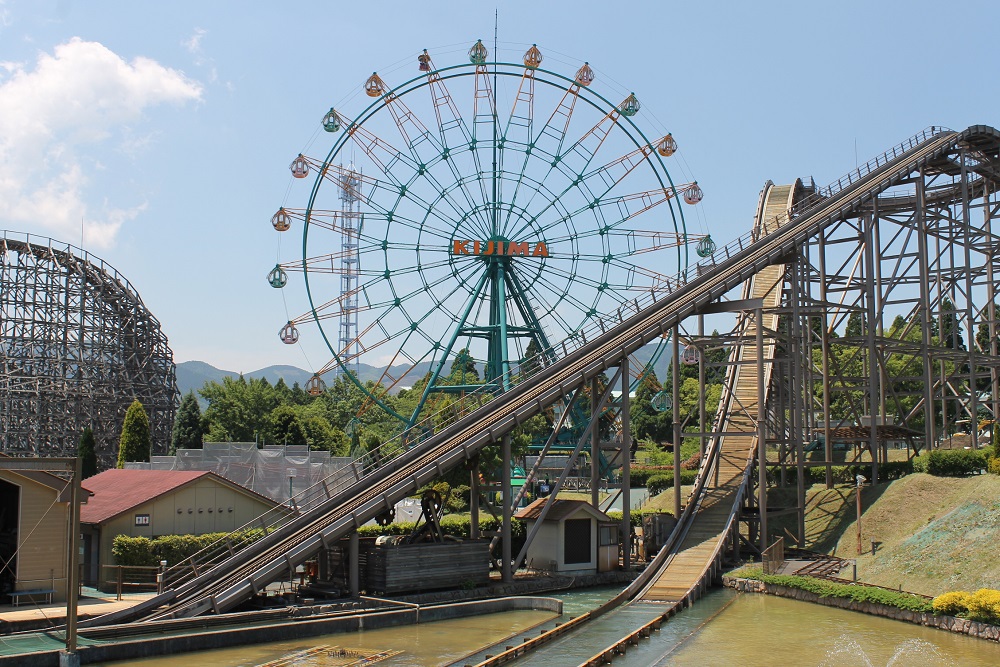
(350, 197)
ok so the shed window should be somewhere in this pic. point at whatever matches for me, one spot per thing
(576, 534)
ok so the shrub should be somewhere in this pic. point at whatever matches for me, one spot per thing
(451, 524)
(951, 462)
(854, 592)
(952, 604)
(635, 516)
(659, 483)
(994, 466)
(132, 551)
(846, 474)
(984, 606)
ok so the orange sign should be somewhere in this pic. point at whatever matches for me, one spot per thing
(499, 248)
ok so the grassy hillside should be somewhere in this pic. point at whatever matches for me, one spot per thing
(937, 533)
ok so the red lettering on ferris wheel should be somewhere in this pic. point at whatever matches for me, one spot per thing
(461, 247)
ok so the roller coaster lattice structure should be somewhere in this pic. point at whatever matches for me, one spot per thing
(77, 345)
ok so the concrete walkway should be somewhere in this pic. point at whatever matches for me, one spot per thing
(31, 616)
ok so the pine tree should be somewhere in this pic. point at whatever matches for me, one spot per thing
(87, 451)
(135, 443)
(188, 431)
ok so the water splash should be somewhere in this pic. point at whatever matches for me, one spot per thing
(917, 652)
(847, 652)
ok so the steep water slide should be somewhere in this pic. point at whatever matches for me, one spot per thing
(233, 574)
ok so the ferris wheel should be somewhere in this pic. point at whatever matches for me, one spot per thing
(478, 214)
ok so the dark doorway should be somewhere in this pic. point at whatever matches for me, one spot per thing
(577, 540)
(10, 510)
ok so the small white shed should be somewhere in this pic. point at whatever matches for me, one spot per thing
(574, 537)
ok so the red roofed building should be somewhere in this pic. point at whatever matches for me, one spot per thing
(151, 503)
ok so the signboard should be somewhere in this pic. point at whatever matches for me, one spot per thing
(142, 519)
(464, 247)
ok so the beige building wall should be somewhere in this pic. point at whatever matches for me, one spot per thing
(204, 506)
(43, 530)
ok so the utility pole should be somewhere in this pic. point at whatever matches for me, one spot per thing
(860, 479)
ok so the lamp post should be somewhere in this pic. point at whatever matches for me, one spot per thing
(292, 472)
(860, 480)
(159, 577)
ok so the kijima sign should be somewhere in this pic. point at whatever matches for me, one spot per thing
(463, 247)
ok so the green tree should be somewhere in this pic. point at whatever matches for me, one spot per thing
(285, 426)
(855, 325)
(135, 443)
(463, 368)
(239, 408)
(951, 330)
(87, 451)
(983, 335)
(644, 420)
(532, 361)
(188, 429)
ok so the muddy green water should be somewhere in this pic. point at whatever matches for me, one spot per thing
(760, 630)
(422, 645)
(722, 629)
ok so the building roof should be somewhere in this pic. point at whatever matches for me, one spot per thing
(60, 485)
(561, 509)
(117, 491)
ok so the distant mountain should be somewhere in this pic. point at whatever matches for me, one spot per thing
(192, 375)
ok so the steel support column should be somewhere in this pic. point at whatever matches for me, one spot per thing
(506, 568)
(626, 450)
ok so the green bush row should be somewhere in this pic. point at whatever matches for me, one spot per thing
(659, 483)
(639, 475)
(846, 474)
(635, 516)
(832, 589)
(145, 551)
(953, 462)
(983, 605)
(455, 525)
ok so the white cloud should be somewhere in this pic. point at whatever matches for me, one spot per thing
(59, 118)
(193, 46)
(193, 43)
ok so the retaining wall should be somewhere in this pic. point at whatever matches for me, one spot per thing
(950, 623)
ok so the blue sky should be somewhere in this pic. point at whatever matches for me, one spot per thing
(168, 127)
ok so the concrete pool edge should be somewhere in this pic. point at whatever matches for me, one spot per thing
(311, 626)
(962, 626)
